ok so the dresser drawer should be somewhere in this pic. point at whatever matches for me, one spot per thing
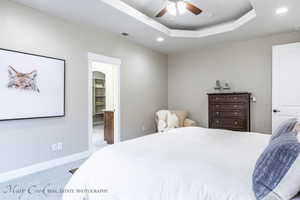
(228, 98)
(227, 106)
(233, 124)
(229, 114)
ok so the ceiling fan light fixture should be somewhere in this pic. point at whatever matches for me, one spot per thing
(171, 8)
(181, 5)
(178, 7)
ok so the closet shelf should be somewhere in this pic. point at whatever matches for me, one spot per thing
(98, 100)
(99, 113)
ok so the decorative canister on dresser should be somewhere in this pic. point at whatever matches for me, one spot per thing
(229, 111)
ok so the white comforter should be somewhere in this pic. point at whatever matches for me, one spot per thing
(182, 164)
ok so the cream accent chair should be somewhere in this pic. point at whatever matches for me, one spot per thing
(169, 119)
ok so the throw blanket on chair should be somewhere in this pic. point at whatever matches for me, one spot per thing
(166, 120)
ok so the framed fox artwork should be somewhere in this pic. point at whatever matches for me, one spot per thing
(31, 86)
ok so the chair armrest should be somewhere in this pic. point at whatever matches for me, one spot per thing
(189, 122)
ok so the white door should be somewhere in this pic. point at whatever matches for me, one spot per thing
(285, 83)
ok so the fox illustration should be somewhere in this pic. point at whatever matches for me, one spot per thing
(23, 81)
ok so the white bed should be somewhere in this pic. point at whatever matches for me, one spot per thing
(182, 164)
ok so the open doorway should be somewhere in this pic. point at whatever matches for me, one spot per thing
(104, 101)
(99, 105)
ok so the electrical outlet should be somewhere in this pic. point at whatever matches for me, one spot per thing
(57, 146)
(54, 147)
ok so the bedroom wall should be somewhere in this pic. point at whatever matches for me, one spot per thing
(143, 84)
(246, 66)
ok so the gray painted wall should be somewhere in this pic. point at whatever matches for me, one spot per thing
(143, 84)
(245, 65)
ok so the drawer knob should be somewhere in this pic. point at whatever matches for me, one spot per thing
(217, 105)
(235, 106)
(217, 121)
(217, 98)
(235, 122)
(217, 113)
(235, 98)
(235, 113)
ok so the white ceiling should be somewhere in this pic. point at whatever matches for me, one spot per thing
(214, 12)
(107, 17)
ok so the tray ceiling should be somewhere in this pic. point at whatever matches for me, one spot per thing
(116, 17)
(215, 12)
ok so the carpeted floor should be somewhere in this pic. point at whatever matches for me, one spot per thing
(46, 185)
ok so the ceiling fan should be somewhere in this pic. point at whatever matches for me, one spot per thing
(178, 7)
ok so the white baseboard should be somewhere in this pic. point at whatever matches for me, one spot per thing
(41, 166)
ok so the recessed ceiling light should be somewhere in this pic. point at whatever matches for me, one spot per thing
(160, 39)
(282, 10)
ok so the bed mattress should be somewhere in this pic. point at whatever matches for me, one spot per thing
(183, 164)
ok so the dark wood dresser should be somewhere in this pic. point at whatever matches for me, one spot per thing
(109, 127)
(229, 111)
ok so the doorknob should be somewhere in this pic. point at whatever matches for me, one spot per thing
(276, 111)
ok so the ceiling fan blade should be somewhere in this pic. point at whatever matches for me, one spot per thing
(193, 8)
(162, 12)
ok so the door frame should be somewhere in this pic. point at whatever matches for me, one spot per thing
(116, 62)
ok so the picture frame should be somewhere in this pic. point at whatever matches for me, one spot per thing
(32, 86)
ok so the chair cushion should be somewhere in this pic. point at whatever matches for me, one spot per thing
(182, 115)
(189, 122)
(277, 171)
